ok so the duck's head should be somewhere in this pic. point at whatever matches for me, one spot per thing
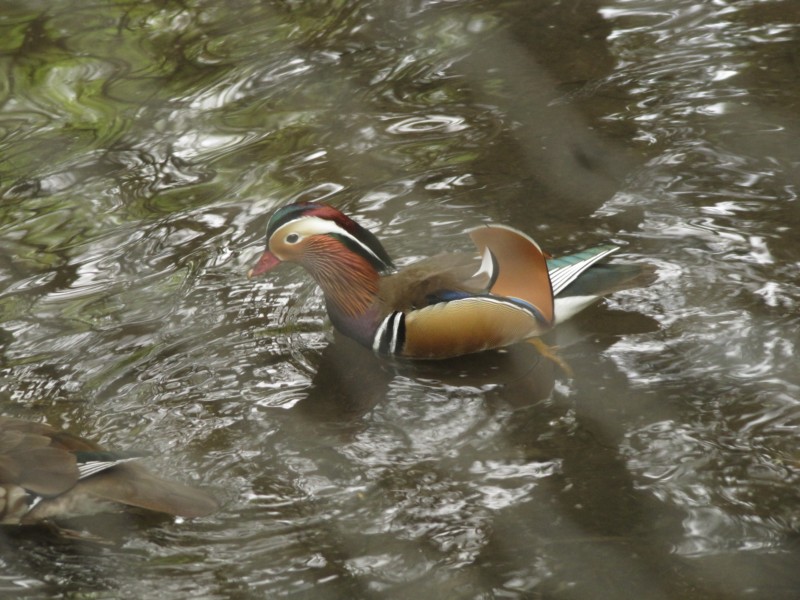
(314, 235)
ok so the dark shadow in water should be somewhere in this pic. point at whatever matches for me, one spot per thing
(587, 524)
(76, 555)
(350, 379)
(549, 57)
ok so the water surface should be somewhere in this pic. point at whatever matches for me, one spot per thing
(143, 147)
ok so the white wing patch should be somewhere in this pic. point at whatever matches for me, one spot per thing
(93, 467)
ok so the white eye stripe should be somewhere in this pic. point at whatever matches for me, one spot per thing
(307, 226)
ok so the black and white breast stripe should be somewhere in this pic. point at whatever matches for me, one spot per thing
(391, 334)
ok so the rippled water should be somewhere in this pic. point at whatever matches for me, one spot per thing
(142, 149)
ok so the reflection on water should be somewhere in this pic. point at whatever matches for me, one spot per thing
(142, 149)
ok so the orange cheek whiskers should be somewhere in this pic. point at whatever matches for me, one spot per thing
(346, 278)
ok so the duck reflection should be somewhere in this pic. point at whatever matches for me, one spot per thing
(350, 380)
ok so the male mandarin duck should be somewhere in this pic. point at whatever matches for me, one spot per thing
(50, 474)
(441, 307)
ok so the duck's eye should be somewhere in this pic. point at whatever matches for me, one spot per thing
(292, 238)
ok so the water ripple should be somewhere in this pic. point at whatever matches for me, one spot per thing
(429, 123)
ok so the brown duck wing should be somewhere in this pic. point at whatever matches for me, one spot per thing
(519, 266)
(124, 484)
(43, 471)
(133, 485)
(28, 460)
(419, 284)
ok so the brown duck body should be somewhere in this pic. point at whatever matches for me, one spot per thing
(457, 304)
(48, 474)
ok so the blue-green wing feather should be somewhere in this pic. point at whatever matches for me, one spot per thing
(578, 280)
(567, 269)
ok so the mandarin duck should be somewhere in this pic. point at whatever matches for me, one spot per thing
(50, 474)
(444, 306)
